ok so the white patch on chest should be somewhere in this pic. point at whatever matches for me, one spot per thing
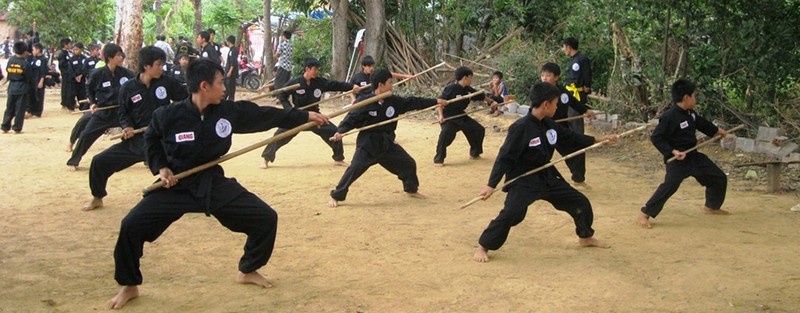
(161, 92)
(136, 98)
(186, 136)
(317, 93)
(576, 67)
(564, 98)
(106, 84)
(390, 111)
(552, 136)
(684, 124)
(223, 128)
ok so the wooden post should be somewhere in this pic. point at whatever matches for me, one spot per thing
(774, 177)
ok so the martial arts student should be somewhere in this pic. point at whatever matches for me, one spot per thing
(187, 134)
(674, 134)
(103, 90)
(67, 88)
(471, 129)
(579, 83)
(39, 69)
(138, 98)
(311, 89)
(206, 49)
(529, 144)
(178, 71)
(89, 65)
(231, 68)
(376, 145)
(20, 81)
(362, 78)
(75, 69)
(550, 73)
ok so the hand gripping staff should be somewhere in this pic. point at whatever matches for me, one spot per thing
(705, 143)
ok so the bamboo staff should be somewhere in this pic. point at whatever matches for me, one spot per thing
(568, 156)
(274, 92)
(135, 131)
(707, 142)
(289, 133)
(409, 114)
(97, 109)
(369, 85)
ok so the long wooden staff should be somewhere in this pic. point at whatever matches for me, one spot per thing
(98, 109)
(409, 114)
(274, 92)
(707, 142)
(289, 133)
(369, 85)
(135, 131)
(568, 156)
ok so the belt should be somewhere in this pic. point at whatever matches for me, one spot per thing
(576, 91)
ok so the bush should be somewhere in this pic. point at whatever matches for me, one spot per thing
(314, 39)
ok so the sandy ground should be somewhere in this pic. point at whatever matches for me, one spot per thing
(382, 251)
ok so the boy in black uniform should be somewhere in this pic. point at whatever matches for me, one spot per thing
(52, 78)
(187, 134)
(212, 34)
(206, 49)
(310, 91)
(471, 129)
(178, 71)
(90, 62)
(103, 90)
(675, 134)
(362, 78)
(529, 144)
(76, 70)
(550, 73)
(231, 68)
(39, 70)
(138, 98)
(20, 79)
(579, 80)
(377, 145)
(67, 91)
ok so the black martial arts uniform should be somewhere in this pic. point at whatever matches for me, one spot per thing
(20, 77)
(67, 86)
(137, 103)
(567, 103)
(75, 69)
(530, 144)
(39, 69)
(180, 137)
(676, 130)
(103, 91)
(362, 79)
(305, 95)
(473, 130)
(232, 63)
(209, 52)
(579, 75)
(376, 145)
(178, 73)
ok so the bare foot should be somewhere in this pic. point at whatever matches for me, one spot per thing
(340, 163)
(481, 255)
(438, 164)
(711, 211)
(264, 165)
(69, 147)
(795, 208)
(333, 203)
(591, 242)
(581, 185)
(254, 278)
(644, 221)
(475, 157)
(127, 293)
(72, 168)
(96, 203)
(416, 195)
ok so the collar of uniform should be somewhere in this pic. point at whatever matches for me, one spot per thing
(681, 110)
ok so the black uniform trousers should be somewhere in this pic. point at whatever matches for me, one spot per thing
(230, 88)
(95, 127)
(473, 130)
(577, 164)
(560, 194)
(324, 131)
(281, 77)
(80, 125)
(80, 92)
(68, 93)
(15, 109)
(36, 106)
(395, 160)
(114, 159)
(703, 170)
(150, 218)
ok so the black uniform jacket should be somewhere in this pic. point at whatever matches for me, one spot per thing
(178, 73)
(579, 71)
(378, 139)
(566, 101)
(75, 67)
(209, 52)
(453, 91)
(530, 144)
(310, 93)
(362, 79)
(676, 130)
(20, 76)
(137, 102)
(180, 137)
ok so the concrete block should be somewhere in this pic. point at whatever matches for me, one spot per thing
(792, 157)
(511, 108)
(615, 124)
(751, 175)
(602, 126)
(523, 110)
(768, 133)
(600, 116)
(613, 117)
(728, 143)
(766, 147)
(745, 144)
(786, 149)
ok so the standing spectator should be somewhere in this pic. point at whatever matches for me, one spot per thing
(163, 45)
(284, 56)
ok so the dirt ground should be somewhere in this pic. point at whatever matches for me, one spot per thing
(381, 251)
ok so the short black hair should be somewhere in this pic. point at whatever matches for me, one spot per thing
(111, 50)
(93, 47)
(20, 47)
(463, 71)
(149, 55)
(499, 74)
(551, 68)
(181, 55)
(311, 62)
(65, 41)
(380, 76)
(205, 35)
(572, 42)
(541, 92)
(231, 39)
(38, 45)
(201, 70)
(367, 60)
(287, 34)
(161, 37)
(78, 45)
(680, 88)
(211, 31)
(181, 37)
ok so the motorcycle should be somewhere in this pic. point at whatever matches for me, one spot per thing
(249, 74)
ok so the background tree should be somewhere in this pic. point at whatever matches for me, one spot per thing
(341, 39)
(129, 34)
(375, 36)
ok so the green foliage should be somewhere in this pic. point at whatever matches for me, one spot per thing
(314, 41)
(84, 21)
(219, 15)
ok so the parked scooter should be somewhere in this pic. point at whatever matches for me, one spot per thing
(249, 74)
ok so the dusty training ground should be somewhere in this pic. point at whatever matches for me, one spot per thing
(381, 251)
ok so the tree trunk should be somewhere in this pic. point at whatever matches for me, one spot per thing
(267, 27)
(341, 39)
(198, 16)
(159, 25)
(129, 34)
(375, 37)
